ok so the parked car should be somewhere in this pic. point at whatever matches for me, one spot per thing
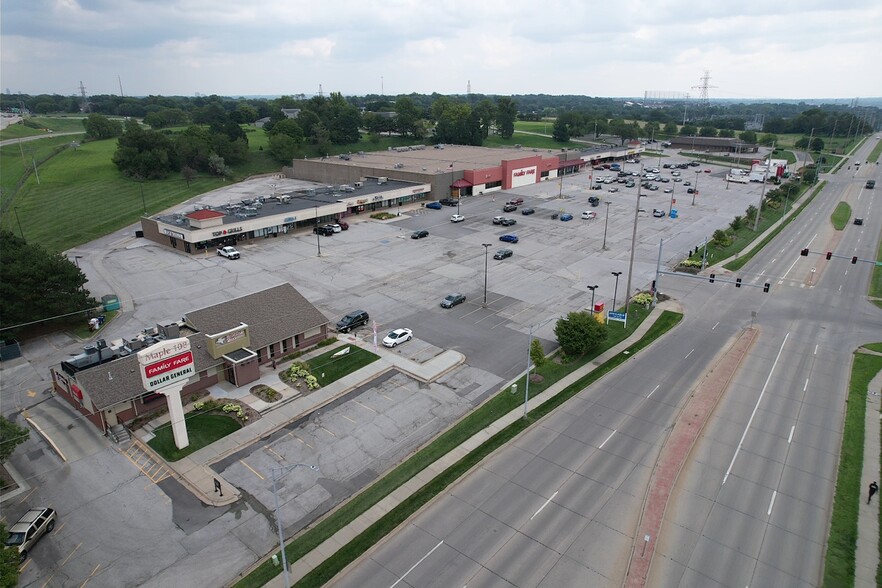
(334, 227)
(509, 238)
(353, 320)
(497, 220)
(449, 201)
(566, 217)
(527, 211)
(452, 300)
(707, 170)
(343, 225)
(508, 222)
(228, 252)
(24, 534)
(516, 201)
(503, 253)
(653, 187)
(687, 183)
(397, 337)
(457, 218)
(589, 214)
(678, 179)
(509, 208)
(658, 213)
(324, 231)
(419, 234)
(597, 187)
(669, 190)
(593, 200)
(613, 190)
(434, 205)
(629, 184)
(675, 173)
(690, 190)
(858, 221)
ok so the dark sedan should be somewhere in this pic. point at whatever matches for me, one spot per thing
(434, 205)
(503, 253)
(419, 234)
(527, 211)
(452, 300)
(449, 201)
(509, 208)
(507, 222)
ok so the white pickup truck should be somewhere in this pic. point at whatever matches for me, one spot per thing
(228, 252)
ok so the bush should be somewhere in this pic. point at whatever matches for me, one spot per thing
(537, 354)
(737, 223)
(642, 298)
(579, 332)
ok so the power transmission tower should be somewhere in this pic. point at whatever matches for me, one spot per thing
(84, 100)
(703, 98)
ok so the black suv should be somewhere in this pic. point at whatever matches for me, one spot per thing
(448, 201)
(593, 200)
(325, 231)
(353, 320)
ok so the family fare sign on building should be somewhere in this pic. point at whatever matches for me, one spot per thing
(166, 363)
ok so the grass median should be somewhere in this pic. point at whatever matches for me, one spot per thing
(839, 568)
(490, 411)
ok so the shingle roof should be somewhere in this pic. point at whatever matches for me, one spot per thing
(272, 315)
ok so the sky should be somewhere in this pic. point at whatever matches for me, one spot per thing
(750, 49)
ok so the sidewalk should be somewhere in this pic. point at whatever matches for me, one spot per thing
(867, 554)
(301, 567)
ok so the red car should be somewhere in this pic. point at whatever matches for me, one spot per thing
(707, 170)
(343, 225)
(516, 201)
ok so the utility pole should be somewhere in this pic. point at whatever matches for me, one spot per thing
(633, 246)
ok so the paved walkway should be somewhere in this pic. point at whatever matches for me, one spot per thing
(867, 554)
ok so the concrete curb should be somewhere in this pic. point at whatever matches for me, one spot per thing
(46, 437)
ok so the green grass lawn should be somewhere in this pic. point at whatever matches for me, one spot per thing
(535, 126)
(840, 216)
(874, 154)
(500, 404)
(202, 430)
(876, 279)
(327, 368)
(530, 142)
(842, 542)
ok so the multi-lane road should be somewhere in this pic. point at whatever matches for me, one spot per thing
(559, 506)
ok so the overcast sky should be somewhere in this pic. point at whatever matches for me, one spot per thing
(777, 49)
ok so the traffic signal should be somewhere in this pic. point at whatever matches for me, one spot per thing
(712, 276)
(804, 252)
(854, 259)
(829, 254)
(737, 282)
(766, 287)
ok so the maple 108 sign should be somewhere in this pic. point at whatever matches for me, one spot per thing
(166, 363)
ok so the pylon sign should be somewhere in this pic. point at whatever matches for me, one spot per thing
(166, 363)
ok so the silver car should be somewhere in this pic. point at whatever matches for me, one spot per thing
(29, 529)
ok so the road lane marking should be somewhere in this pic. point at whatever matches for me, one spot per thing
(653, 390)
(607, 439)
(772, 503)
(755, 408)
(413, 567)
(816, 348)
(790, 437)
(253, 471)
(715, 326)
(688, 354)
(805, 387)
(543, 506)
(791, 267)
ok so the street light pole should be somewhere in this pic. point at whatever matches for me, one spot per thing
(285, 469)
(318, 242)
(671, 205)
(592, 288)
(486, 249)
(616, 291)
(695, 189)
(606, 223)
(18, 221)
(529, 367)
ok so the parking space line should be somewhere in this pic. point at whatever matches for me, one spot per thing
(25, 565)
(270, 449)
(49, 579)
(71, 554)
(347, 418)
(302, 441)
(253, 471)
(329, 432)
(59, 528)
(26, 496)
(365, 406)
(92, 575)
(386, 397)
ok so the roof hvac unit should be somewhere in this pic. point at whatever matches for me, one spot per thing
(382, 180)
(358, 184)
(398, 165)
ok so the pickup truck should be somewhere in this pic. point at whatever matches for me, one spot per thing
(228, 252)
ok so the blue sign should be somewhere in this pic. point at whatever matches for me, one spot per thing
(617, 316)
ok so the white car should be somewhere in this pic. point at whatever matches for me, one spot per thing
(668, 190)
(457, 218)
(397, 336)
(589, 214)
(335, 227)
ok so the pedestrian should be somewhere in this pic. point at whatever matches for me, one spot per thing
(874, 487)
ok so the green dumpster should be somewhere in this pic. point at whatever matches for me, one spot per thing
(110, 302)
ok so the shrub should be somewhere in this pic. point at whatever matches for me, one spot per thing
(537, 354)
(737, 223)
(642, 298)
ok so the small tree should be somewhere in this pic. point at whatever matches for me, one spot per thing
(579, 333)
(188, 173)
(737, 223)
(537, 354)
(9, 561)
(721, 237)
(750, 213)
(11, 435)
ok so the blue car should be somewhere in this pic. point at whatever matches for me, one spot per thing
(566, 217)
(434, 205)
(509, 238)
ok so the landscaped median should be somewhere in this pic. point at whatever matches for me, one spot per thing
(489, 412)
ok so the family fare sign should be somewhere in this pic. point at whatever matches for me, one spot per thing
(166, 363)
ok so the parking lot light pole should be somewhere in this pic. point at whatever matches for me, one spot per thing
(486, 249)
(592, 288)
(633, 247)
(616, 291)
(671, 205)
(605, 224)
(318, 242)
(695, 189)
(276, 478)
